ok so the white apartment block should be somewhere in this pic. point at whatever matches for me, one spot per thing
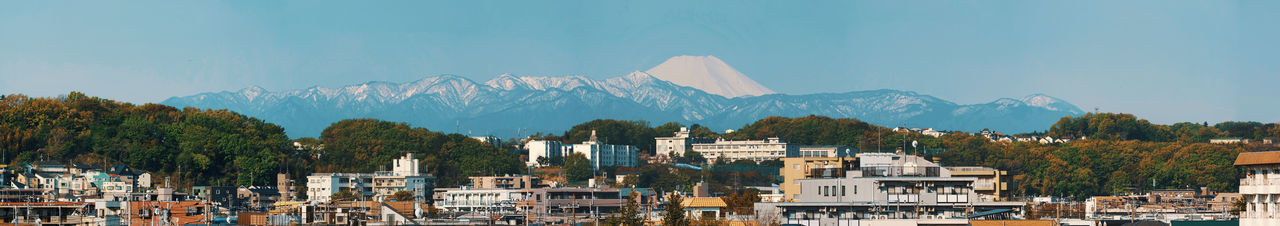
(1260, 188)
(378, 186)
(755, 150)
(542, 149)
(479, 200)
(600, 154)
(675, 146)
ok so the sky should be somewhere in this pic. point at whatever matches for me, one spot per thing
(1167, 61)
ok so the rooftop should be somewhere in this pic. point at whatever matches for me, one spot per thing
(1258, 158)
(703, 202)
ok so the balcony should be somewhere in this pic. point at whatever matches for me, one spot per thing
(901, 171)
(1260, 186)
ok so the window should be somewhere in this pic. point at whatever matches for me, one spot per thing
(842, 190)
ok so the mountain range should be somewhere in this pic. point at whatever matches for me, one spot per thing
(686, 89)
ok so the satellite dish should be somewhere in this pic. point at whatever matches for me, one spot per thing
(914, 143)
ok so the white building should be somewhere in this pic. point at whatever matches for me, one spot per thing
(884, 187)
(542, 149)
(1260, 188)
(675, 146)
(824, 151)
(755, 150)
(600, 154)
(404, 176)
(479, 200)
(933, 133)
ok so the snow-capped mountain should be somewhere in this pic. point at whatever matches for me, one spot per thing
(709, 74)
(510, 105)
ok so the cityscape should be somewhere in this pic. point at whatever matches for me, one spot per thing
(660, 113)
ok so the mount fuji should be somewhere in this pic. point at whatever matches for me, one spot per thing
(685, 89)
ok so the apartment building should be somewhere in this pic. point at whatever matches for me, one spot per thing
(379, 185)
(882, 186)
(1260, 188)
(991, 184)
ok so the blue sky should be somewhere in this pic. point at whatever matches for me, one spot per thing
(1168, 61)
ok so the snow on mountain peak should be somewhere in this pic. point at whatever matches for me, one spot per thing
(507, 82)
(709, 74)
(1040, 100)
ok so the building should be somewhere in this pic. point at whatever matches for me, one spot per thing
(601, 154)
(1229, 140)
(506, 182)
(704, 207)
(991, 184)
(225, 197)
(1260, 188)
(796, 168)
(491, 140)
(542, 149)
(379, 185)
(824, 151)
(675, 146)
(489, 200)
(755, 150)
(287, 189)
(884, 186)
(933, 133)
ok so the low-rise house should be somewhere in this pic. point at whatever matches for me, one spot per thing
(704, 207)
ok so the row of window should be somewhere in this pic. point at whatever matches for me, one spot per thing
(831, 190)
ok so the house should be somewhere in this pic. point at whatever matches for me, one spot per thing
(704, 207)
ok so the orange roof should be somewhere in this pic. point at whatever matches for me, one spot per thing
(703, 202)
(1258, 158)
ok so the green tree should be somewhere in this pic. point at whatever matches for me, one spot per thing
(628, 214)
(577, 167)
(674, 212)
(692, 157)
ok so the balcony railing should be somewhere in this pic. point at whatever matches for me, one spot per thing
(1259, 181)
(901, 171)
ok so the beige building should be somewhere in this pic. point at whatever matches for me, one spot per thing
(506, 182)
(992, 184)
(809, 168)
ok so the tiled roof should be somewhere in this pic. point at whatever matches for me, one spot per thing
(1258, 158)
(703, 202)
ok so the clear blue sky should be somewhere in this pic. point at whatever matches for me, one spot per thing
(1167, 61)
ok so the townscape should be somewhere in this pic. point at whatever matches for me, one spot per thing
(815, 185)
(640, 113)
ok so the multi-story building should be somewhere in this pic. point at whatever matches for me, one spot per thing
(884, 186)
(1260, 188)
(479, 200)
(824, 151)
(755, 150)
(542, 149)
(287, 189)
(991, 184)
(796, 168)
(675, 146)
(506, 182)
(601, 154)
(379, 185)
